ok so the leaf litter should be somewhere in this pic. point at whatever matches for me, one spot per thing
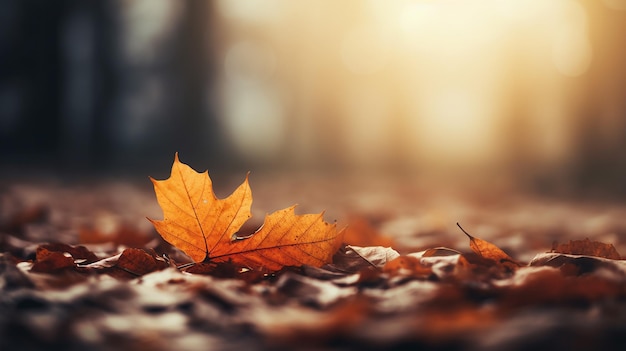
(367, 295)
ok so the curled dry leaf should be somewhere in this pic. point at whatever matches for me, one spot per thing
(48, 261)
(574, 265)
(489, 251)
(133, 263)
(439, 251)
(588, 248)
(205, 227)
(57, 256)
(79, 253)
(354, 258)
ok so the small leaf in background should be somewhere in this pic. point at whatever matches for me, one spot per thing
(354, 258)
(79, 253)
(489, 251)
(57, 256)
(588, 248)
(440, 251)
(133, 263)
(48, 261)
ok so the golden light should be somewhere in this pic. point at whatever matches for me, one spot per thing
(426, 82)
(364, 50)
(615, 4)
(571, 48)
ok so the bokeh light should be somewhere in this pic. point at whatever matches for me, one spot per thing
(423, 82)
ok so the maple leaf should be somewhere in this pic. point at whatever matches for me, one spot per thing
(205, 227)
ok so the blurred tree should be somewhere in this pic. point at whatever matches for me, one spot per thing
(31, 73)
(197, 132)
(70, 96)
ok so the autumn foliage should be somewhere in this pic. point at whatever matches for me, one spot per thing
(205, 227)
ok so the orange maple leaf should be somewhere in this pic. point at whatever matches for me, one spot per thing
(204, 227)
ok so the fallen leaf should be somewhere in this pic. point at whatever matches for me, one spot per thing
(56, 256)
(50, 261)
(439, 251)
(574, 265)
(440, 262)
(355, 258)
(133, 263)
(588, 248)
(78, 253)
(205, 227)
(489, 251)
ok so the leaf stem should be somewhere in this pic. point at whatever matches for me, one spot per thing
(463, 230)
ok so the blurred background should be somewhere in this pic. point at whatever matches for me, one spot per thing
(524, 92)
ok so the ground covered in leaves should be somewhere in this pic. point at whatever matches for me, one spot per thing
(82, 268)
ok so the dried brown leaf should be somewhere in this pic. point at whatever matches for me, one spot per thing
(48, 261)
(491, 252)
(78, 253)
(588, 248)
(134, 263)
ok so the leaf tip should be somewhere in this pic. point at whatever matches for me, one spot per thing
(153, 221)
(176, 164)
(463, 230)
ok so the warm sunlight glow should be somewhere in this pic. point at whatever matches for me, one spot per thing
(455, 118)
(422, 81)
(615, 4)
(571, 49)
(364, 51)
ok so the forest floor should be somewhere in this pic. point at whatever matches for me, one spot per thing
(64, 284)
